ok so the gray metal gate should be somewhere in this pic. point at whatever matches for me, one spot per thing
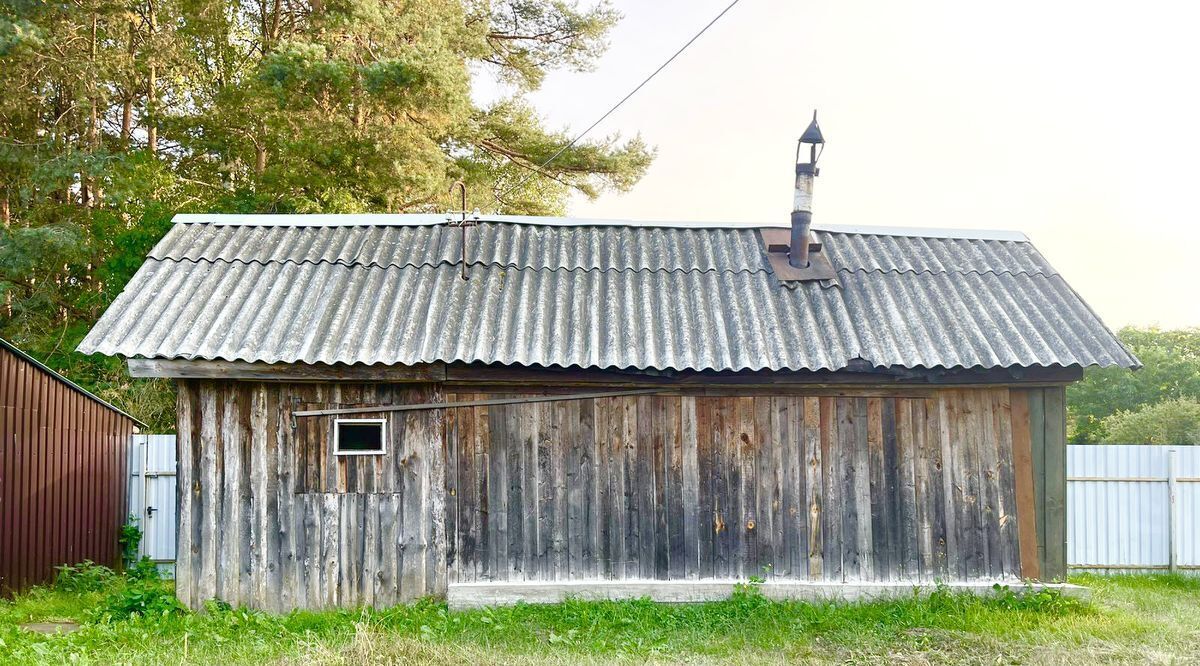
(152, 496)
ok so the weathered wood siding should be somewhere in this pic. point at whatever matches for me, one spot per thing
(853, 484)
(269, 518)
(834, 487)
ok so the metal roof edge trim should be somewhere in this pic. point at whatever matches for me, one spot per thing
(59, 376)
(433, 219)
(844, 364)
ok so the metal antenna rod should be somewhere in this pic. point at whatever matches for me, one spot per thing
(462, 224)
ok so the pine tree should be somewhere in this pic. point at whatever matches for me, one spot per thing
(117, 114)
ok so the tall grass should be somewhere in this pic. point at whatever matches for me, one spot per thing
(1122, 624)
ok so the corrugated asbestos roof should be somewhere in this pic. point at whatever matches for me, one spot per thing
(595, 296)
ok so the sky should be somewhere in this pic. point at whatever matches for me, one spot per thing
(1077, 123)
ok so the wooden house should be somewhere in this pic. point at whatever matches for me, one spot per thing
(376, 408)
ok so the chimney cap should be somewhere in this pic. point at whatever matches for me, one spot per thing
(813, 133)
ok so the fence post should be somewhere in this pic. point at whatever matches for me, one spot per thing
(1172, 510)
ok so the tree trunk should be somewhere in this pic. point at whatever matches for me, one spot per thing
(91, 196)
(260, 159)
(127, 103)
(152, 90)
(5, 211)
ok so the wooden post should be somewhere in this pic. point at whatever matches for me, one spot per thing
(1172, 510)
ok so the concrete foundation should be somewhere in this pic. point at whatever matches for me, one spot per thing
(476, 595)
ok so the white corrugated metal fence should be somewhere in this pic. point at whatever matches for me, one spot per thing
(152, 495)
(1119, 507)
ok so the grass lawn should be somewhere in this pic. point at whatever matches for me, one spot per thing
(1129, 619)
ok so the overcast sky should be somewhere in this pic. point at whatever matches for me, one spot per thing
(1077, 123)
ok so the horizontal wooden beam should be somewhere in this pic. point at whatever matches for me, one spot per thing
(296, 372)
(423, 406)
(477, 375)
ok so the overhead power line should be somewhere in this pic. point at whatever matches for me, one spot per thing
(572, 142)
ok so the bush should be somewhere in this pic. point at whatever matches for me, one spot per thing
(144, 570)
(1168, 422)
(130, 538)
(139, 599)
(86, 576)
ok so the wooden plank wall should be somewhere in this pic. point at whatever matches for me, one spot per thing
(832, 487)
(846, 485)
(257, 529)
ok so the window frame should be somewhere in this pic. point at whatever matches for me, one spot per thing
(337, 449)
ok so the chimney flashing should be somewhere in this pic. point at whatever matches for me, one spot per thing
(778, 245)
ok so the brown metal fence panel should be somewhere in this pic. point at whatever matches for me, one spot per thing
(62, 475)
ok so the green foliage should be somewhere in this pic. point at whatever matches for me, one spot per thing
(1045, 600)
(143, 570)
(130, 538)
(1175, 421)
(337, 106)
(146, 599)
(84, 577)
(1171, 371)
(1129, 618)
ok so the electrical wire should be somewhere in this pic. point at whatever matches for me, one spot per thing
(572, 142)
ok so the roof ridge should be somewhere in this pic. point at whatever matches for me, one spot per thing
(588, 269)
(336, 220)
(447, 262)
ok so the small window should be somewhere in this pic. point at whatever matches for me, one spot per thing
(359, 437)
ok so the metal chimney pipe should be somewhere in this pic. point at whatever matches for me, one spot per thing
(801, 216)
(802, 208)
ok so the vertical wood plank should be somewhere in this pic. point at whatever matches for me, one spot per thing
(723, 512)
(1007, 513)
(673, 512)
(706, 524)
(746, 445)
(1026, 510)
(974, 532)
(206, 587)
(910, 531)
(769, 459)
(877, 475)
(632, 431)
(833, 490)
(263, 522)
(616, 480)
(577, 489)
(644, 490)
(989, 478)
(1037, 441)
(186, 496)
(591, 512)
(528, 425)
(814, 485)
(791, 552)
(692, 507)
(1056, 482)
(452, 445)
(548, 437)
